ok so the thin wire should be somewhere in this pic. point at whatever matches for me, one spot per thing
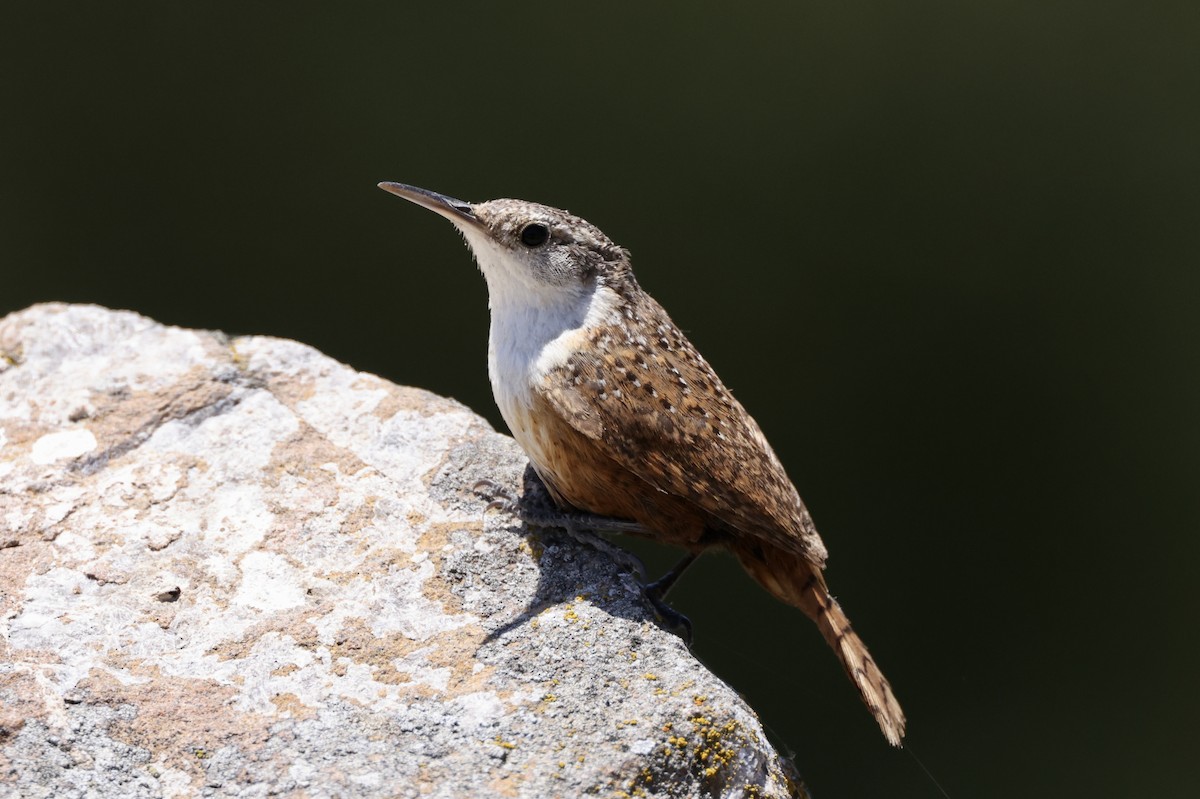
(928, 773)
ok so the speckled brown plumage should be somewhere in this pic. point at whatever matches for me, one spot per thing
(651, 403)
(653, 435)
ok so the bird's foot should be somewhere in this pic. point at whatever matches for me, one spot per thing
(499, 497)
(656, 594)
(671, 620)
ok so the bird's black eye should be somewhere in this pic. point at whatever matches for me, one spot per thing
(534, 234)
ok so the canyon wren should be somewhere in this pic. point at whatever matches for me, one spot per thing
(622, 417)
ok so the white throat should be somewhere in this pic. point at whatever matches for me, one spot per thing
(535, 327)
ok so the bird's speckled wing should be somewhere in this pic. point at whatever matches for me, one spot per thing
(655, 406)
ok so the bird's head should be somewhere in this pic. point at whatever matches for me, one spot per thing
(530, 252)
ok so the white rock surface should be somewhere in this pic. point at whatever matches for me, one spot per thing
(235, 567)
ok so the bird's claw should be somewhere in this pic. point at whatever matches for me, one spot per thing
(498, 496)
(670, 619)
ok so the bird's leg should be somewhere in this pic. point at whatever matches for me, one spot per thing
(540, 511)
(537, 509)
(583, 527)
(656, 592)
(577, 522)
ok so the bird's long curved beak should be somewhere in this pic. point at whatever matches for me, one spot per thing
(457, 211)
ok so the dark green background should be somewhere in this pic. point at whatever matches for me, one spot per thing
(946, 253)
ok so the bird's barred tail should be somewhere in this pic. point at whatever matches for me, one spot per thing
(795, 580)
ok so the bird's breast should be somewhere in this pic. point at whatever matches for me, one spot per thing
(529, 339)
(515, 376)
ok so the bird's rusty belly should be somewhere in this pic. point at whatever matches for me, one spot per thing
(579, 475)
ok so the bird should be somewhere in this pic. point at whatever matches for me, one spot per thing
(622, 417)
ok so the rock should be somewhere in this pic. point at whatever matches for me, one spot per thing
(235, 567)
